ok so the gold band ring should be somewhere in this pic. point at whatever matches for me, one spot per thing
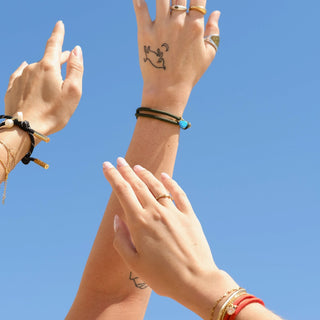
(164, 196)
(214, 40)
(200, 9)
(179, 8)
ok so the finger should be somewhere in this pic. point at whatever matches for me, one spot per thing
(122, 189)
(154, 185)
(177, 12)
(53, 49)
(142, 14)
(140, 189)
(72, 85)
(122, 242)
(64, 57)
(180, 198)
(212, 27)
(201, 3)
(162, 9)
(17, 74)
(193, 12)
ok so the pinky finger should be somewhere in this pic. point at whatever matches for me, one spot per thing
(17, 74)
(180, 198)
(212, 28)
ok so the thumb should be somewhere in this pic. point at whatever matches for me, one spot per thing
(122, 242)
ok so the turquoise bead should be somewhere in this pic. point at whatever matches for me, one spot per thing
(183, 124)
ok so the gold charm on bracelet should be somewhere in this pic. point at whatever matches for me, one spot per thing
(41, 163)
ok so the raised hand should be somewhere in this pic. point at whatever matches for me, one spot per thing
(38, 90)
(162, 241)
(172, 51)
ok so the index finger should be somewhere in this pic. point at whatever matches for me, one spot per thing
(54, 44)
(122, 189)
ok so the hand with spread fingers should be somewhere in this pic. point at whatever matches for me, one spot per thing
(162, 241)
(174, 50)
(38, 90)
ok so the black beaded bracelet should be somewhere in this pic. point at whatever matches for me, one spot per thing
(183, 124)
(25, 126)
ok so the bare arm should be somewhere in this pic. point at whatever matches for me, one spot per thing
(107, 290)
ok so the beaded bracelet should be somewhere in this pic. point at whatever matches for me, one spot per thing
(25, 126)
(183, 124)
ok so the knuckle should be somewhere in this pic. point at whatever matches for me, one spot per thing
(52, 41)
(47, 65)
(121, 187)
(197, 27)
(213, 25)
(180, 194)
(73, 89)
(139, 185)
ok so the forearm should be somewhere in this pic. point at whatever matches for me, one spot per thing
(154, 145)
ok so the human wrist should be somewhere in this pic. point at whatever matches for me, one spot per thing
(205, 290)
(170, 99)
(18, 142)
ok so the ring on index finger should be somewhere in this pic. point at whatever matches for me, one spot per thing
(214, 40)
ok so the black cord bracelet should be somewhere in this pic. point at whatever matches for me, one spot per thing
(25, 126)
(183, 124)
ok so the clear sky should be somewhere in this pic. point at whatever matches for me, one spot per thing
(250, 162)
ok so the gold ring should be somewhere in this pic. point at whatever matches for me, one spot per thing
(179, 8)
(200, 9)
(164, 196)
(214, 40)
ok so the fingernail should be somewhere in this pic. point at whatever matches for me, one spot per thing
(165, 176)
(60, 22)
(107, 165)
(115, 223)
(77, 51)
(138, 168)
(139, 3)
(122, 162)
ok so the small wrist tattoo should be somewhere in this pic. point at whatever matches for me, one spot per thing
(156, 58)
(140, 285)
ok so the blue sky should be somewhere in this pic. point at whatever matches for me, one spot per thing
(250, 162)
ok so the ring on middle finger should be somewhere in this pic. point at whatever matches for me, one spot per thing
(200, 9)
(177, 7)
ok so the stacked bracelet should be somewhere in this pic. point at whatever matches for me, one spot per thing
(237, 299)
(238, 304)
(25, 126)
(150, 113)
